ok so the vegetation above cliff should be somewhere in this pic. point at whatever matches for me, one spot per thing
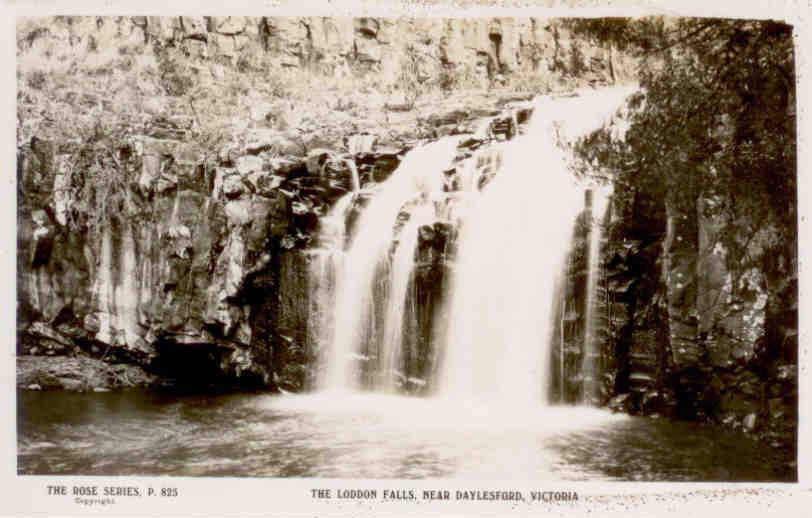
(80, 77)
(716, 119)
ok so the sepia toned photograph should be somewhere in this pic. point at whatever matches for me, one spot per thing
(489, 248)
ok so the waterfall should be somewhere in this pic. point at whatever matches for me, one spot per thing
(589, 366)
(354, 178)
(357, 294)
(356, 144)
(403, 263)
(325, 261)
(512, 245)
(510, 255)
(512, 206)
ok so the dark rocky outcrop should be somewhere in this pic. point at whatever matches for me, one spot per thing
(684, 329)
(79, 373)
(201, 272)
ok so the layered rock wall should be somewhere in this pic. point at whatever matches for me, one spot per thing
(140, 243)
(481, 47)
(197, 271)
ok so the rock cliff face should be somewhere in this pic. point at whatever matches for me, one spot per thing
(480, 47)
(201, 273)
(148, 249)
(685, 327)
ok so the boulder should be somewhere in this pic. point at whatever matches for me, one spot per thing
(316, 158)
(248, 164)
(194, 26)
(264, 183)
(367, 27)
(749, 422)
(229, 25)
(78, 374)
(233, 186)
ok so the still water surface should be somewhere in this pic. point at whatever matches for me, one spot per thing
(354, 436)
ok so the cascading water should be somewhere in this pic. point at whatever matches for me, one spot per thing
(514, 204)
(589, 367)
(510, 254)
(325, 261)
(354, 325)
(512, 246)
(126, 294)
(355, 180)
(402, 266)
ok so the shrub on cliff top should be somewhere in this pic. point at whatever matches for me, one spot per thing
(715, 121)
(716, 115)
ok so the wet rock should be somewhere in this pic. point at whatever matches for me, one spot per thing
(621, 403)
(43, 239)
(194, 26)
(233, 186)
(228, 24)
(377, 166)
(264, 183)
(749, 422)
(248, 164)
(284, 167)
(48, 340)
(316, 158)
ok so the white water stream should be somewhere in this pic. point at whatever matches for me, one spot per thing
(511, 255)
(355, 327)
(589, 367)
(514, 235)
